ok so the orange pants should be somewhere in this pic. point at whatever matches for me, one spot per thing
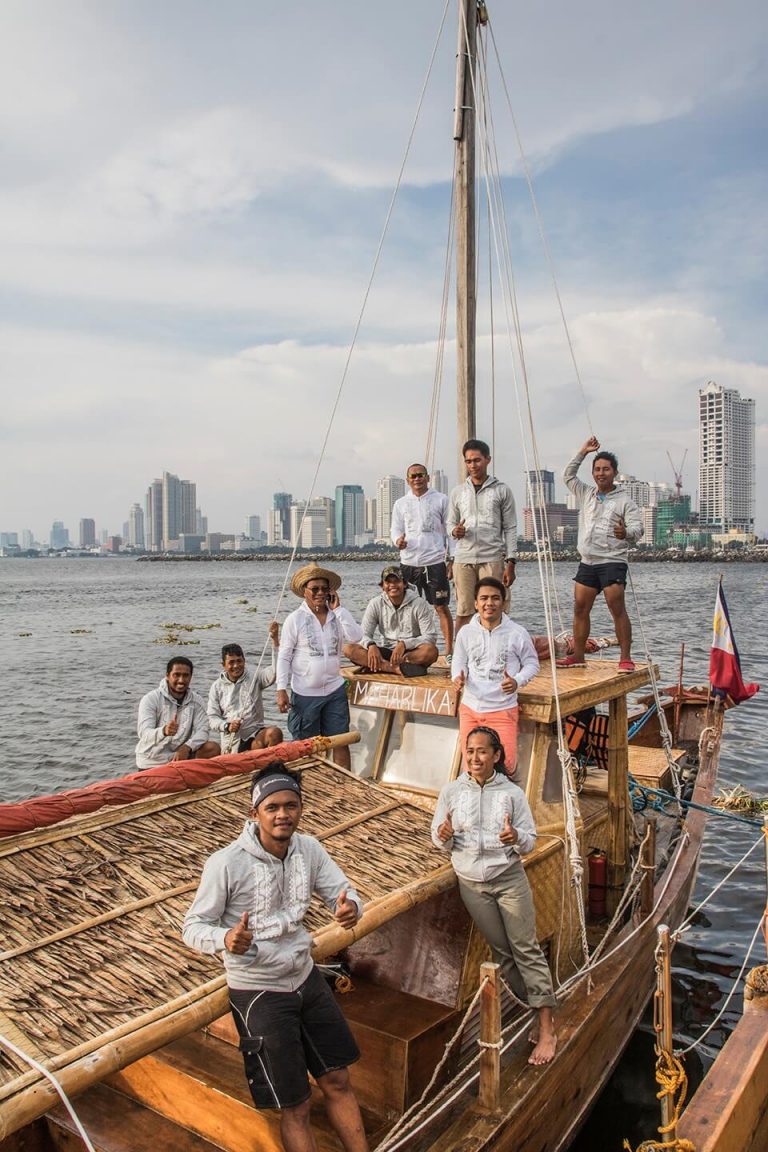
(504, 722)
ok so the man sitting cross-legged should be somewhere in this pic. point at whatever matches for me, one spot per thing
(407, 628)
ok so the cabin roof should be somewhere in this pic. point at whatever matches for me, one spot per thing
(91, 909)
(435, 694)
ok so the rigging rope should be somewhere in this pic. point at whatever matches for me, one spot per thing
(49, 1076)
(523, 401)
(361, 314)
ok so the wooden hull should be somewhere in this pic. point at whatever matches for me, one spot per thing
(543, 1109)
(729, 1112)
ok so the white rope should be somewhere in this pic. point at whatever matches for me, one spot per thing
(540, 225)
(38, 1067)
(666, 735)
(404, 1120)
(545, 566)
(363, 307)
(696, 1043)
(685, 925)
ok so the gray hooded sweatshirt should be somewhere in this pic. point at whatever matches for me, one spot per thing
(155, 711)
(412, 621)
(490, 522)
(276, 894)
(477, 815)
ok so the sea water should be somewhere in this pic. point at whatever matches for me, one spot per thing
(84, 639)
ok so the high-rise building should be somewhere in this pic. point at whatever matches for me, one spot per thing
(201, 523)
(388, 489)
(9, 539)
(350, 515)
(281, 524)
(439, 481)
(136, 526)
(541, 485)
(87, 533)
(657, 492)
(27, 539)
(312, 523)
(726, 459)
(153, 517)
(253, 527)
(59, 537)
(637, 490)
(370, 516)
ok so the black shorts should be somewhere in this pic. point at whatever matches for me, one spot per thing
(245, 745)
(430, 581)
(285, 1035)
(601, 576)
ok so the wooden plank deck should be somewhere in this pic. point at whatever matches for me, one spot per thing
(435, 694)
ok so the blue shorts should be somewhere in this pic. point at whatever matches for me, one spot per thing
(285, 1035)
(319, 715)
(600, 576)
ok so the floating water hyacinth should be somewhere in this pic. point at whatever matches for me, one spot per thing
(81, 631)
(23, 633)
(190, 627)
(242, 600)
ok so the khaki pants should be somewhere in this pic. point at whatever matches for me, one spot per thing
(502, 909)
(465, 578)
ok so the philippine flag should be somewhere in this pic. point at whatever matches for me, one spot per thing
(724, 663)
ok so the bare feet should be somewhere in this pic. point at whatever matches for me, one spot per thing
(544, 1052)
(543, 1037)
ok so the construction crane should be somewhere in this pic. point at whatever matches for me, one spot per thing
(678, 473)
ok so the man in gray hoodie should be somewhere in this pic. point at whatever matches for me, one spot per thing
(172, 723)
(249, 908)
(482, 517)
(406, 627)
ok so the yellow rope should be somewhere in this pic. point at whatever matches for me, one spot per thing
(673, 1082)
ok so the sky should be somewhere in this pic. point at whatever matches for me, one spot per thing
(191, 199)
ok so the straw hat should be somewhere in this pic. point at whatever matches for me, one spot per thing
(312, 572)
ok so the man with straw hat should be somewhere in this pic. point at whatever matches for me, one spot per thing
(249, 909)
(309, 659)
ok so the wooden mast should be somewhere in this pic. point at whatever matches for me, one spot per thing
(466, 287)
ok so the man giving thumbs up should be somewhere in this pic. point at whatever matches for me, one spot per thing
(249, 907)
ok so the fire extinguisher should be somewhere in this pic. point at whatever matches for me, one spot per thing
(598, 882)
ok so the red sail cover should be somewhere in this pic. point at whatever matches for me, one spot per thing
(724, 664)
(176, 776)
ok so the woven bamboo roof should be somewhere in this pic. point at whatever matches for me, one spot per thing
(91, 909)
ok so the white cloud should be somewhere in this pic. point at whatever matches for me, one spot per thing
(185, 186)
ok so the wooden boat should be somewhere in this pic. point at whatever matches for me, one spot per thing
(97, 986)
(729, 1111)
(98, 989)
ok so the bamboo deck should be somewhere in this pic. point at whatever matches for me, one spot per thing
(91, 913)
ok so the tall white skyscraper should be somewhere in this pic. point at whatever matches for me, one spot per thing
(253, 527)
(153, 516)
(388, 489)
(136, 526)
(726, 459)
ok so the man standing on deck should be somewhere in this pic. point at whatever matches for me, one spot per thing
(309, 659)
(608, 523)
(483, 519)
(172, 723)
(420, 531)
(406, 626)
(249, 908)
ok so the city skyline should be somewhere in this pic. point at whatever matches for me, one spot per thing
(186, 242)
(352, 518)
